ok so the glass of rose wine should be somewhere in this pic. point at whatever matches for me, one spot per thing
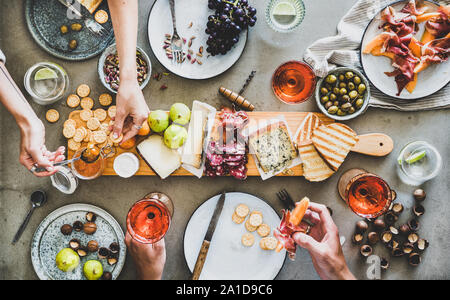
(149, 219)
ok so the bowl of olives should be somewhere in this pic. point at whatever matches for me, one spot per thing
(343, 94)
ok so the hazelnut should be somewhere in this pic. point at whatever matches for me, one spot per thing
(386, 237)
(404, 229)
(393, 230)
(91, 217)
(373, 238)
(413, 225)
(384, 263)
(92, 246)
(422, 244)
(114, 248)
(397, 208)
(78, 226)
(361, 226)
(408, 248)
(89, 228)
(82, 251)
(357, 238)
(413, 238)
(107, 276)
(419, 195)
(66, 229)
(112, 260)
(366, 250)
(390, 218)
(379, 225)
(74, 244)
(418, 210)
(103, 253)
(397, 252)
(414, 259)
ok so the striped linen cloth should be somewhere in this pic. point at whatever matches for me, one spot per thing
(343, 49)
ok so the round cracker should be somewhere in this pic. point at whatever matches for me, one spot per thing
(101, 16)
(93, 123)
(249, 227)
(270, 243)
(236, 219)
(87, 103)
(100, 114)
(104, 127)
(86, 114)
(105, 99)
(70, 122)
(263, 230)
(74, 146)
(116, 141)
(248, 239)
(88, 136)
(83, 90)
(112, 111)
(73, 100)
(99, 136)
(79, 135)
(255, 219)
(69, 131)
(52, 115)
(262, 244)
(242, 210)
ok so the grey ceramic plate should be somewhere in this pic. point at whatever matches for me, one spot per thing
(48, 241)
(44, 19)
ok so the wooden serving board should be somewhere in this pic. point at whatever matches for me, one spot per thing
(294, 120)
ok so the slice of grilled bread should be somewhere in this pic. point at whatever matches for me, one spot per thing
(91, 5)
(310, 123)
(334, 142)
(314, 167)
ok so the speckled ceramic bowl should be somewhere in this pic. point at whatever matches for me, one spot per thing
(359, 111)
(112, 49)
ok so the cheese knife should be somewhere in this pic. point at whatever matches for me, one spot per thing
(208, 237)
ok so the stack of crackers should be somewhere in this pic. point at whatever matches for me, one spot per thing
(254, 223)
(89, 126)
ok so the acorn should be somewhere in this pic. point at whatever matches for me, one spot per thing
(373, 238)
(107, 276)
(66, 229)
(379, 225)
(82, 251)
(91, 217)
(408, 248)
(78, 226)
(366, 250)
(103, 253)
(390, 218)
(413, 225)
(114, 248)
(386, 237)
(404, 230)
(418, 210)
(92, 246)
(74, 244)
(361, 226)
(397, 208)
(89, 228)
(414, 259)
(422, 244)
(419, 195)
(413, 238)
(357, 238)
(384, 263)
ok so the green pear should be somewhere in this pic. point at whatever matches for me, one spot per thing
(67, 260)
(158, 120)
(180, 113)
(175, 136)
(93, 270)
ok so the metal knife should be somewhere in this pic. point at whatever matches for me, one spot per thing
(208, 237)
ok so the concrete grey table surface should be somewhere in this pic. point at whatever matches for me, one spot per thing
(117, 195)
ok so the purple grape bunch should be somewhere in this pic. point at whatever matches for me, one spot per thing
(225, 26)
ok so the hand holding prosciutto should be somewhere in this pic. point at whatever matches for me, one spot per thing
(323, 244)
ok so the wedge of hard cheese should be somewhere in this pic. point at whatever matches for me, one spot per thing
(193, 148)
(163, 160)
(334, 142)
(91, 5)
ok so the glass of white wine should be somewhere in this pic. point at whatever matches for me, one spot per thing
(285, 15)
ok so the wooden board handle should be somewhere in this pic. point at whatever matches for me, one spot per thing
(200, 260)
(374, 144)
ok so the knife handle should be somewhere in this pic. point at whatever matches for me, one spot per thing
(374, 144)
(200, 260)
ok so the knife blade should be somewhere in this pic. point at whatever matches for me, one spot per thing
(208, 237)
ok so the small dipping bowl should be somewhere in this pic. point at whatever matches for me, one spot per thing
(126, 165)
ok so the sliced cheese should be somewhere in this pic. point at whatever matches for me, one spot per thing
(158, 156)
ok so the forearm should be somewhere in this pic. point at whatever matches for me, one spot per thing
(124, 15)
(14, 101)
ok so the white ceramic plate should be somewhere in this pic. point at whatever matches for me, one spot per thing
(48, 241)
(227, 258)
(429, 82)
(197, 12)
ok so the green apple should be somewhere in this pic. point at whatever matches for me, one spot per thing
(175, 136)
(93, 270)
(158, 120)
(67, 260)
(180, 113)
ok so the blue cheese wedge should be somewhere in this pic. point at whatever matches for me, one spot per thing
(273, 147)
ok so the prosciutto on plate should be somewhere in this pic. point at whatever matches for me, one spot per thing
(285, 232)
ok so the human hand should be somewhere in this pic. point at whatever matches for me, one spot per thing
(132, 110)
(33, 151)
(323, 244)
(148, 258)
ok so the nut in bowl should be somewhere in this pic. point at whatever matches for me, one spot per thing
(108, 68)
(343, 94)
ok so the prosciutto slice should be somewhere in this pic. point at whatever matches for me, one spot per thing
(412, 9)
(401, 26)
(284, 234)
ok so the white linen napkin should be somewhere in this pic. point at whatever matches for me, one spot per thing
(343, 49)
